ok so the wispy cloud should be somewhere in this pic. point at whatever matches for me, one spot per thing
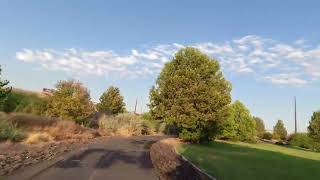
(277, 62)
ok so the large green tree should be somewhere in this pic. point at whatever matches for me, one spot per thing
(260, 128)
(279, 131)
(4, 89)
(314, 126)
(191, 94)
(111, 101)
(240, 124)
(70, 101)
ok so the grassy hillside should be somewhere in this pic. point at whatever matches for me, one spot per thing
(25, 101)
(229, 160)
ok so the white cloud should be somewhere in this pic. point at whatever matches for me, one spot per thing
(286, 79)
(262, 58)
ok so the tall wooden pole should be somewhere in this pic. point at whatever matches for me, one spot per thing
(135, 107)
(295, 115)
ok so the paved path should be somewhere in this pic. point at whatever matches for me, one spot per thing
(118, 158)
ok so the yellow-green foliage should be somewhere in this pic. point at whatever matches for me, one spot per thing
(191, 94)
(314, 127)
(126, 124)
(111, 101)
(25, 102)
(4, 89)
(279, 131)
(240, 124)
(70, 101)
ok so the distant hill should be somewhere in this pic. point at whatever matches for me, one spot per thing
(40, 94)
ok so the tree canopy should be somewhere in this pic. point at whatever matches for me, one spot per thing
(279, 131)
(240, 124)
(191, 94)
(70, 101)
(4, 89)
(111, 101)
(314, 126)
(260, 128)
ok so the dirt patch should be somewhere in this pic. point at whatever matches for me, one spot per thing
(171, 166)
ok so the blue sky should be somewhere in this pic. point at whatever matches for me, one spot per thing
(269, 50)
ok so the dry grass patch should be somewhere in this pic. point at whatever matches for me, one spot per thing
(35, 138)
(26, 121)
(63, 130)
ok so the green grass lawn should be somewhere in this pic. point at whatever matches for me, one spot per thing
(242, 161)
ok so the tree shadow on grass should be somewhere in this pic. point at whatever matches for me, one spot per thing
(232, 161)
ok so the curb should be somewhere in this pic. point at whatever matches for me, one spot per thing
(197, 168)
(194, 166)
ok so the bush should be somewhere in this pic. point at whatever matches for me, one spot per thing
(63, 130)
(301, 140)
(25, 102)
(126, 124)
(192, 95)
(267, 136)
(23, 120)
(9, 131)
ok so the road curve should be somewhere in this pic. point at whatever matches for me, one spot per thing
(118, 158)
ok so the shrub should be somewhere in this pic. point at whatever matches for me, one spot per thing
(301, 140)
(267, 136)
(70, 101)
(192, 95)
(63, 130)
(280, 142)
(23, 120)
(279, 131)
(9, 131)
(126, 124)
(25, 102)
(111, 102)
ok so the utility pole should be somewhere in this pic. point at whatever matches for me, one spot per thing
(135, 107)
(295, 114)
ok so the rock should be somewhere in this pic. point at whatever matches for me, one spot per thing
(2, 157)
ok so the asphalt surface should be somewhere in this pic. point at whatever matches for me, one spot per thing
(118, 158)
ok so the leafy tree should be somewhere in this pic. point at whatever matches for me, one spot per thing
(4, 90)
(279, 131)
(192, 95)
(314, 126)
(240, 124)
(260, 129)
(70, 101)
(111, 101)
